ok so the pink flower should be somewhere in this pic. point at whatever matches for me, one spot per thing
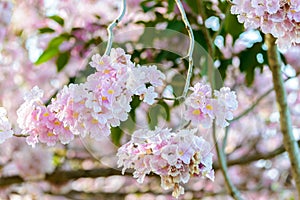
(197, 117)
(93, 107)
(170, 154)
(277, 17)
(5, 126)
(202, 108)
(175, 157)
(224, 105)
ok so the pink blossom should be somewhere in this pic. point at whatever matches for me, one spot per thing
(202, 108)
(90, 108)
(5, 126)
(175, 157)
(277, 17)
(224, 105)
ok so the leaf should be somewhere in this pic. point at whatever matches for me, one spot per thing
(178, 82)
(53, 48)
(134, 104)
(176, 25)
(55, 42)
(232, 26)
(46, 30)
(62, 60)
(57, 19)
(171, 5)
(148, 5)
(47, 55)
(166, 108)
(154, 113)
(248, 59)
(193, 5)
(116, 135)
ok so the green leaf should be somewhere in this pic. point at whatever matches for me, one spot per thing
(232, 26)
(57, 19)
(47, 55)
(116, 135)
(62, 60)
(248, 59)
(46, 30)
(55, 42)
(145, 6)
(178, 82)
(171, 5)
(176, 25)
(154, 113)
(56, 160)
(166, 108)
(53, 49)
(193, 5)
(134, 104)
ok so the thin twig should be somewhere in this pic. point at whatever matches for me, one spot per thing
(167, 98)
(245, 112)
(20, 135)
(243, 160)
(233, 191)
(112, 26)
(191, 47)
(224, 143)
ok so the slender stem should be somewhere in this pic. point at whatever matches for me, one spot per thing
(245, 112)
(289, 141)
(191, 47)
(112, 26)
(167, 98)
(225, 138)
(20, 135)
(233, 191)
(255, 157)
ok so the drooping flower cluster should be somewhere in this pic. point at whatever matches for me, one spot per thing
(93, 107)
(202, 107)
(281, 18)
(5, 126)
(36, 120)
(175, 157)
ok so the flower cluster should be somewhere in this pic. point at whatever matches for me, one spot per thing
(175, 157)
(281, 18)
(5, 126)
(93, 107)
(36, 120)
(202, 108)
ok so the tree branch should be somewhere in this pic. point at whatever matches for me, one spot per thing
(59, 177)
(245, 112)
(112, 26)
(255, 157)
(289, 141)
